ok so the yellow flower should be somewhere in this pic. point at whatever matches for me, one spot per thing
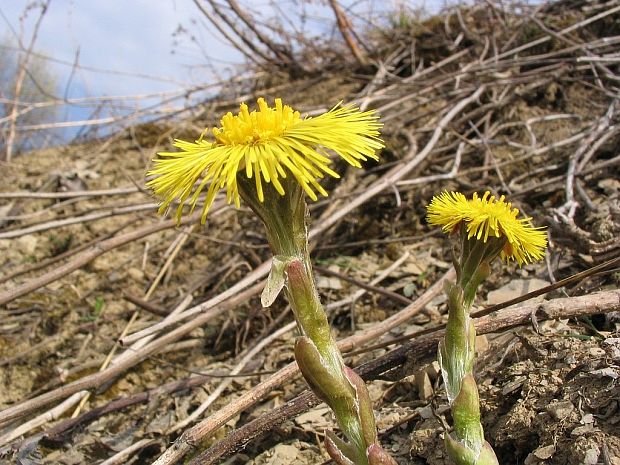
(266, 144)
(488, 216)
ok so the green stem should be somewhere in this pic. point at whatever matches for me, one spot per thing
(316, 351)
(309, 312)
(466, 444)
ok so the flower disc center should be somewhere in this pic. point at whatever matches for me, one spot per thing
(247, 128)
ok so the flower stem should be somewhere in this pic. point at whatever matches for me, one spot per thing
(466, 444)
(316, 351)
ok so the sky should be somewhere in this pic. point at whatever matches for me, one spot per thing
(122, 47)
(131, 36)
(133, 47)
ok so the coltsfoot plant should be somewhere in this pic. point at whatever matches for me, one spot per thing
(487, 228)
(272, 158)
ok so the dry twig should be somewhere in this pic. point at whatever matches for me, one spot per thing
(406, 358)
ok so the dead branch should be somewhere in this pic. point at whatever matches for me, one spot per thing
(213, 20)
(45, 226)
(88, 256)
(597, 136)
(409, 356)
(369, 287)
(245, 359)
(96, 379)
(19, 82)
(56, 432)
(346, 29)
(50, 261)
(281, 53)
(69, 195)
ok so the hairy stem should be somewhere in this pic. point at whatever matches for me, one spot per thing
(466, 444)
(316, 351)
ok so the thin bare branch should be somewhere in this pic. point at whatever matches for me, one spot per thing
(19, 82)
(346, 29)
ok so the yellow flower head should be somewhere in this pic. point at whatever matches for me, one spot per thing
(266, 144)
(487, 216)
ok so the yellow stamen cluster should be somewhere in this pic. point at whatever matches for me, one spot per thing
(487, 216)
(266, 144)
(264, 124)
